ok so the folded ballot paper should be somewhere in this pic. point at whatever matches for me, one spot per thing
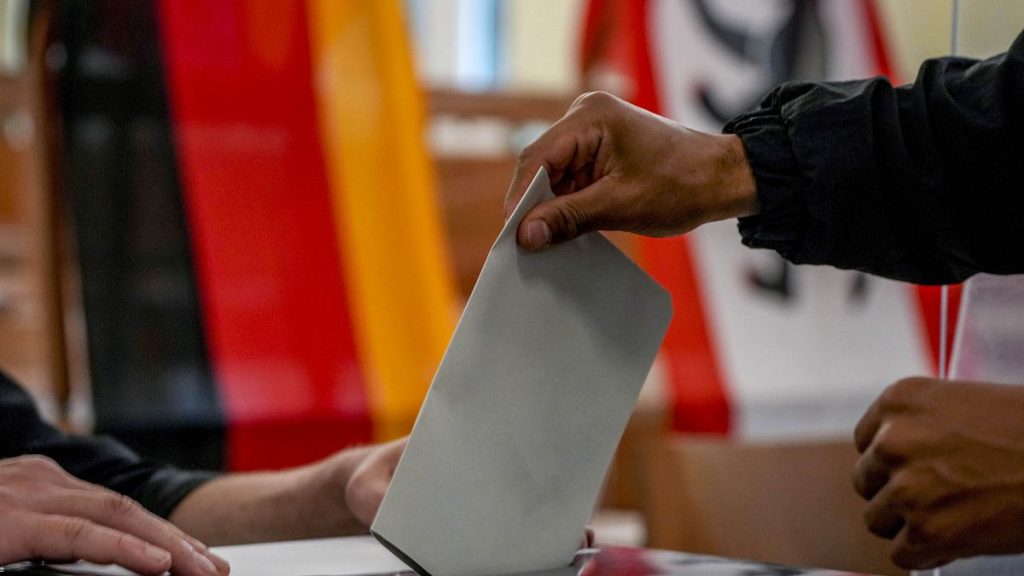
(524, 414)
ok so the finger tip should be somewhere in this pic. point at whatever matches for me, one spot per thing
(206, 565)
(156, 559)
(534, 234)
(222, 565)
(521, 239)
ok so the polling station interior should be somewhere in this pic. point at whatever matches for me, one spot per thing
(239, 235)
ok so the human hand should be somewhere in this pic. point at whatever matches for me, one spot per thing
(943, 467)
(614, 166)
(45, 513)
(336, 496)
(370, 480)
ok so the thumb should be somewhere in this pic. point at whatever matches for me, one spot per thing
(565, 217)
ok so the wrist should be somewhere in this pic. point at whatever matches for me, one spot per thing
(736, 188)
(323, 493)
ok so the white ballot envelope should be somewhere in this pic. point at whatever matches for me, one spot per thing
(512, 443)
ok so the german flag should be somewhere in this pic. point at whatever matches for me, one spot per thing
(326, 295)
(292, 170)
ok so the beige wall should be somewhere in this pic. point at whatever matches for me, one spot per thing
(988, 27)
(540, 38)
(541, 49)
(916, 30)
(921, 29)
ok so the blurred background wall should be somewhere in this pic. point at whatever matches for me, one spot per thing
(237, 234)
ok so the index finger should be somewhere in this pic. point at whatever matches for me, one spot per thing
(63, 538)
(122, 514)
(566, 143)
(868, 426)
(550, 145)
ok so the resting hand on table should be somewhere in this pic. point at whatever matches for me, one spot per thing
(943, 467)
(614, 166)
(336, 496)
(365, 490)
(45, 513)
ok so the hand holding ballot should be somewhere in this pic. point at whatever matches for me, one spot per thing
(614, 166)
(917, 183)
(524, 414)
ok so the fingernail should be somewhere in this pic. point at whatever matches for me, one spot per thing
(538, 234)
(205, 564)
(157, 555)
(222, 565)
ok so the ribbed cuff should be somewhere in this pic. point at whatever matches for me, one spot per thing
(782, 220)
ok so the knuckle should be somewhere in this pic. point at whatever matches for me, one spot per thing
(905, 557)
(912, 384)
(37, 463)
(902, 493)
(870, 517)
(353, 491)
(74, 529)
(528, 152)
(916, 555)
(902, 393)
(888, 447)
(22, 533)
(892, 398)
(595, 99)
(878, 529)
(36, 471)
(124, 542)
(120, 504)
(923, 532)
(571, 219)
(581, 99)
(360, 487)
(881, 521)
(860, 484)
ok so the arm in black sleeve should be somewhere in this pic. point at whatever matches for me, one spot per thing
(923, 182)
(97, 460)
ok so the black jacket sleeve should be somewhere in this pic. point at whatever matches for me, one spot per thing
(923, 182)
(97, 460)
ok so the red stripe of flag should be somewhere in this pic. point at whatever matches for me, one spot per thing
(929, 298)
(701, 403)
(616, 35)
(275, 309)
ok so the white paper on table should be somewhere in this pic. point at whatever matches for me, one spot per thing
(353, 556)
(527, 407)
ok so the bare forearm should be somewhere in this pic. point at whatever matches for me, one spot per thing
(304, 502)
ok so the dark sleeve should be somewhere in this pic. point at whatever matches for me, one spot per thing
(97, 460)
(923, 182)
